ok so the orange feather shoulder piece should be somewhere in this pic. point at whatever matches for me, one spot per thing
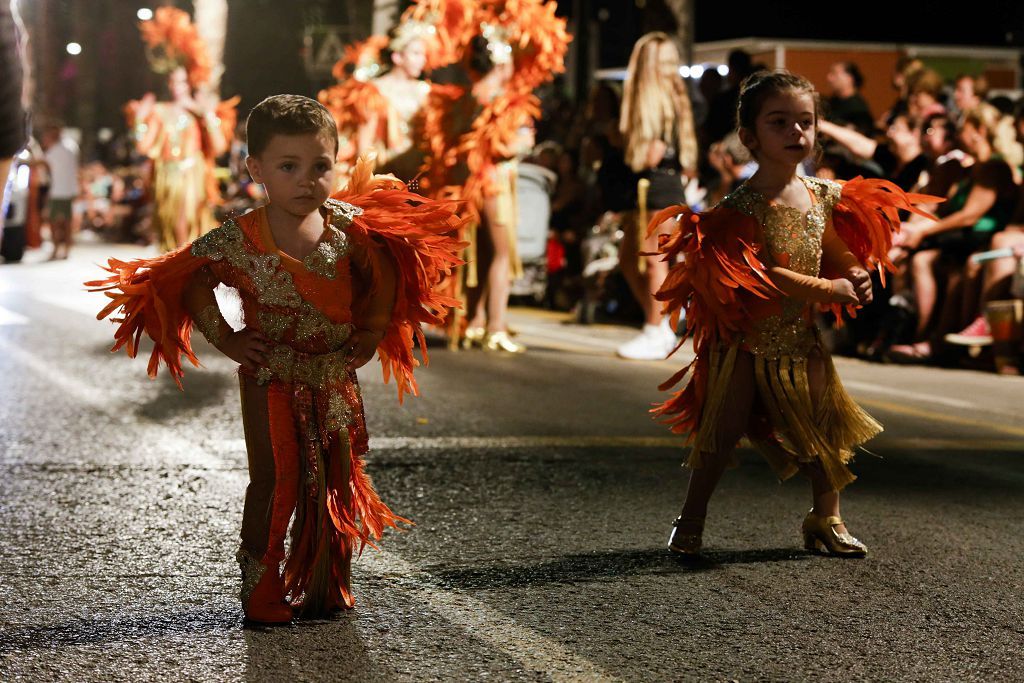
(147, 296)
(867, 216)
(715, 271)
(417, 234)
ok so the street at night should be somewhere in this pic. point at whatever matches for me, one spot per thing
(542, 495)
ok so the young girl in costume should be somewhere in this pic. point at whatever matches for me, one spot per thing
(324, 282)
(754, 270)
(657, 123)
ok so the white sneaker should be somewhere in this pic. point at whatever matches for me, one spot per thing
(655, 342)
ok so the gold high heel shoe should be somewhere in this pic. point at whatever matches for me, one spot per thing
(500, 341)
(820, 535)
(686, 543)
(473, 337)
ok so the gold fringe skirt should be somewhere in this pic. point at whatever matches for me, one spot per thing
(827, 432)
(179, 194)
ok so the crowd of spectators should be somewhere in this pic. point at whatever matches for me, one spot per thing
(959, 283)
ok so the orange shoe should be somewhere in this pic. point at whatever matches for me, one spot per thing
(262, 591)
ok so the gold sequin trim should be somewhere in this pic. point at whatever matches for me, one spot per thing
(252, 572)
(342, 213)
(317, 371)
(324, 261)
(208, 324)
(274, 324)
(313, 322)
(797, 234)
(273, 287)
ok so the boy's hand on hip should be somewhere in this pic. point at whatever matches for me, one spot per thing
(361, 346)
(246, 347)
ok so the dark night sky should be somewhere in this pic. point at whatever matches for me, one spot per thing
(990, 23)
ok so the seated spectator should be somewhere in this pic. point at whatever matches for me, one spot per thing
(905, 70)
(980, 206)
(991, 280)
(925, 94)
(846, 106)
(731, 159)
(968, 93)
(901, 160)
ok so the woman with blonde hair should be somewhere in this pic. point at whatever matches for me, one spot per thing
(661, 146)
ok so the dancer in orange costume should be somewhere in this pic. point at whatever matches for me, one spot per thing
(181, 137)
(324, 283)
(514, 46)
(753, 271)
(380, 96)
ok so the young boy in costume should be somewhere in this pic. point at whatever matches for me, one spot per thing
(324, 281)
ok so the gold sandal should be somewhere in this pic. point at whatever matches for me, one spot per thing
(687, 543)
(821, 536)
(472, 338)
(500, 341)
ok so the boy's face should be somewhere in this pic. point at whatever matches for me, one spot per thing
(297, 171)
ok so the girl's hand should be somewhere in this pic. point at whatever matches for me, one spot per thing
(843, 292)
(361, 347)
(246, 347)
(861, 281)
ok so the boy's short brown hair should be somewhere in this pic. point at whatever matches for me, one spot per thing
(288, 115)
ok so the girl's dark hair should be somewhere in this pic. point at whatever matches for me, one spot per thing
(761, 85)
(479, 56)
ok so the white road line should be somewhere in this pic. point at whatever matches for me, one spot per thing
(503, 443)
(533, 650)
(872, 388)
(9, 317)
(181, 450)
(544, 332)
(422, 443)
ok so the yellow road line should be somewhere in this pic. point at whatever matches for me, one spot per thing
(941, 417)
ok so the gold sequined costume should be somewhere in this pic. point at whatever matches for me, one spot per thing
(302, 410)
(750, 276)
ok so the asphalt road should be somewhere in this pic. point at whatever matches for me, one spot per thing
(542, 495)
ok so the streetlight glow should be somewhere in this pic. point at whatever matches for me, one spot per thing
(697, 70)
(74, 49)
(144, 14)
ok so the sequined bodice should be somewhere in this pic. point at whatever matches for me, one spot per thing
(792, 239)
(303, 308)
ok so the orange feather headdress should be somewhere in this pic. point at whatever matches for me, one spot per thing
(172, 41)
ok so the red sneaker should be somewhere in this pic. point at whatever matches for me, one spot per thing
(975, 334)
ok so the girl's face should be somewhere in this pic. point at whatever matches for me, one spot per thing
(178, 85)
(412, 59)
(785, 128)
(668, 58)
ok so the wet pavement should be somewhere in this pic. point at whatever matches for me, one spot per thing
(542, 495)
